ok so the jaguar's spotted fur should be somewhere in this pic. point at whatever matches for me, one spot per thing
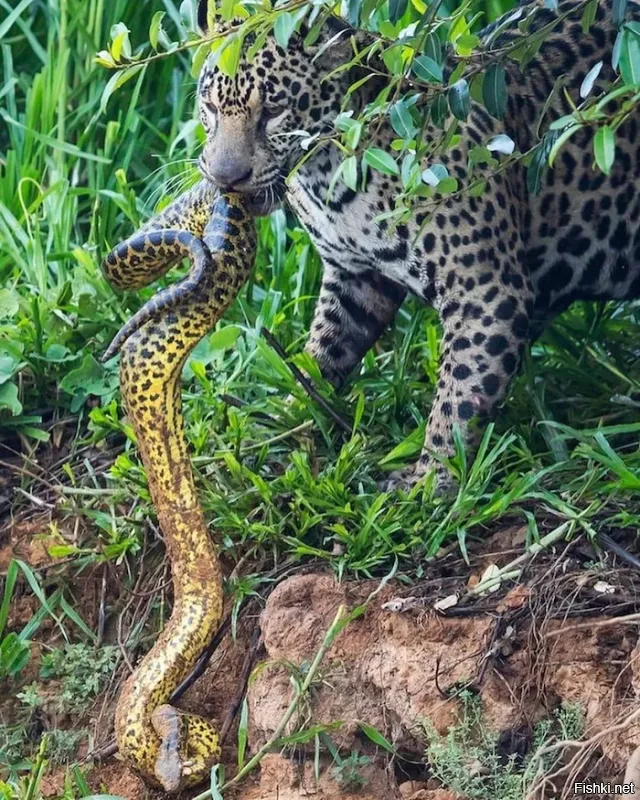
(496, 267)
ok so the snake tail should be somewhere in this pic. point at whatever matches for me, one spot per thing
(172, 749)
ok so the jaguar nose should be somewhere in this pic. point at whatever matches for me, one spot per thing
(230, 174)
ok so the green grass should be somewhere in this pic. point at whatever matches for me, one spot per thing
(74, 180)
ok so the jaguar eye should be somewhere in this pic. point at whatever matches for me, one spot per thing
(271, 112)
(209, 107)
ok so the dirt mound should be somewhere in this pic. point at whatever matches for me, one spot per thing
(395, 670)
(567, 634)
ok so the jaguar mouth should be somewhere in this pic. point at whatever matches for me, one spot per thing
(266, 199)
(262, 199)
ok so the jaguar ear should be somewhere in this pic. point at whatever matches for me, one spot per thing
(204, 18)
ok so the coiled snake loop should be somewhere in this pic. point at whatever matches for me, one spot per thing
(170, 748)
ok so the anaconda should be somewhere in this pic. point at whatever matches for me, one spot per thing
(169, 748)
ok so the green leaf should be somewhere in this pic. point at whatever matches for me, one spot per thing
(466, 43)
(284, 27)
(425, 68)
(155, 28)
(439, 110)
(380, 160)
(494, 91)
(243, 728)
(397, 9)
(407, 448)
(224, 338)
(618, 11)
(14, 655)
(538, 164)
(89, 378)
(9, 583)
(75, 617)
(458, 97)
(9, 399)
(433, 47)
(402, 121)
(448, 186)
(352, 136)
(376, 737)
(350, 173)
(604, 148)
(116, 81)
(477, 189)
(9, 303)
(630, 57)
(480, 155)
(590, 79)
(217, 780)
(564, 136)
(354, 8)
(120, 43)
(589, 16)
(357, 417)
(226, 9)
(230, 53)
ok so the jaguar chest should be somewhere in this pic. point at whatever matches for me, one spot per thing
(348, 234)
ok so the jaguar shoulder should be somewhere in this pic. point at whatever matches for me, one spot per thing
(497, 267)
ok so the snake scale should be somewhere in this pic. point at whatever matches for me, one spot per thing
(170, 748)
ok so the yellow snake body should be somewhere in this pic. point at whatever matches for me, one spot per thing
(169, 748)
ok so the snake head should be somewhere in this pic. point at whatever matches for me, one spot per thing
(169, 725)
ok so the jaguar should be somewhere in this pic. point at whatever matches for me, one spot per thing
(497, 267)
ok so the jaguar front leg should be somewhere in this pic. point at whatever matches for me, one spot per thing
(483, 342)
(353, 310)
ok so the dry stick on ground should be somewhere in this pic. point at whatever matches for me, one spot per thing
(254, 647)
(610, 544)
(306, 383)
(627, 619)
(585, 749)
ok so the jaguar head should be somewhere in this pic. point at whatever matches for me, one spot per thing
(256, 121)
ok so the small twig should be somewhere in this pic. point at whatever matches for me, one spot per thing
(513, 568)
(436, 680)
(581, 746)
(203, 660)
(102, 753)
(306, 383)
(70, 490)
(102, 607)
(602, 623)
(236, 402)
(489, 653)
(254, 647)
(609, 544)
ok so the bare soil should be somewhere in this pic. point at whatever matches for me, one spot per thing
(567, 632)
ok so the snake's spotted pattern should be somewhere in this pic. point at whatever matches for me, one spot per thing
(169, 748)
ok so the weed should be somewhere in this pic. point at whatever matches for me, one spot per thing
(347, 772)
(468, 759)
(82, 671)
